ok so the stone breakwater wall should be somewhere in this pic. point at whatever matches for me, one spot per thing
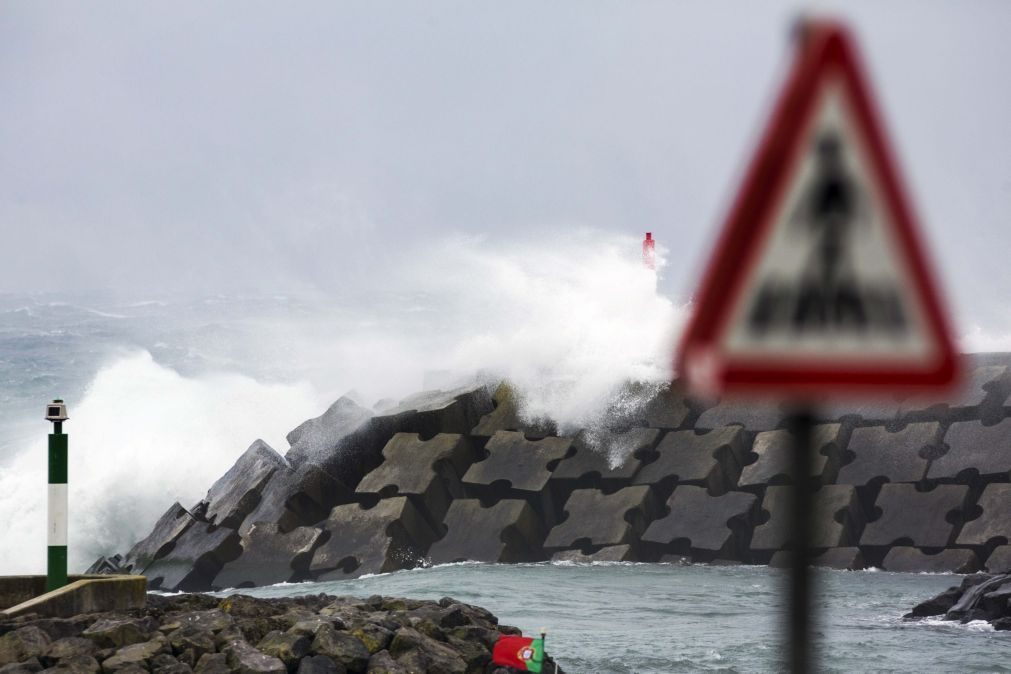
(444, 477)
(316, 634)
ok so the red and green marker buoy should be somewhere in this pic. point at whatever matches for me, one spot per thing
(56, 534)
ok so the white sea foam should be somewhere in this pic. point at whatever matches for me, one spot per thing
(142, 437)
(568, 321)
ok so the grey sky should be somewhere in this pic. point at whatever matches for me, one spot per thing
(206, 146)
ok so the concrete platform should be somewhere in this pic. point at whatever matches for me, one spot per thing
(21, 595)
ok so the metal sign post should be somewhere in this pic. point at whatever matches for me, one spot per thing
(819, 286)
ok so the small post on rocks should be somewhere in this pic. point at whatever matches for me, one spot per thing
(800, 424)
(56, 567)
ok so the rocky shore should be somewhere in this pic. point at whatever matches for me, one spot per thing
(315, 634)
(981, 596)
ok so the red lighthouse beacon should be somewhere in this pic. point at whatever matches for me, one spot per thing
(649, 252)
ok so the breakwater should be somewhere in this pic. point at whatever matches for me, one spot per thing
(449, 476)
(316, 634)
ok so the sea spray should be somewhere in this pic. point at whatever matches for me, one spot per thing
(569, 321)
(142, 437)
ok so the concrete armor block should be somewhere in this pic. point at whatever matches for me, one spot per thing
(270, 556)
(161, 540)
(751, 417)
(892, 457)
(197, 557)
(525, 465)
(613, 553)
(975, 448)
(995, 521)
(299, 497)
(508, 531)
(706, 523)
(907, 559)
(774, 450)
(427, 471)
(712, 459)
(606, 458)
(389, 536)
(837, 518)
(999, 560)
(596, 519)
(921, 519)
(506, 416)
(238, 491)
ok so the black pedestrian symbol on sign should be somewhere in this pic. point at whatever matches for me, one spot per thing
(828, 296)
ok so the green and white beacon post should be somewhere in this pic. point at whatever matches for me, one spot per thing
(56, 572)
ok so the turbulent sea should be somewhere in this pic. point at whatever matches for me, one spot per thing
(659, 618)
(165, 393)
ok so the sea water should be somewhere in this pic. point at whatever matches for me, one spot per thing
(620, 618)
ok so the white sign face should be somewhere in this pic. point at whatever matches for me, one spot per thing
(830, 278)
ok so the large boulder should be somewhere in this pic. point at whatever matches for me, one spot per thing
(237, 492)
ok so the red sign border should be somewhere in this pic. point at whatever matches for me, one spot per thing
(826, 47)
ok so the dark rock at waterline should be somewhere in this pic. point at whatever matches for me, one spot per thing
(315, 634)
(980, 596)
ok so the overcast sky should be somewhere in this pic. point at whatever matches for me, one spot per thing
(212, 146)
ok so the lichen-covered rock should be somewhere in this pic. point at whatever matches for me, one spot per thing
(383, 663)
(116, 633)
(23, 644)
(76, 664)
(421, 653)
(245, 659)
(343, 648)
(192, 638)
(319, 664)
(212, 663)
(29, 666)
(289, 648)
(68, 647)
(140, 654)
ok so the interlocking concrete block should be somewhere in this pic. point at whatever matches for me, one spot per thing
(910, 560)
(606, 458)
(712, 459)
(669, 409)
(845, 559)
(920, 519)
(316, 440)
(525, 465)
(752, 417)
(837, 518)
(596, 519)
(995, 521)
(391, 535)
(774, 450)
(705, 523)
(613, 553)
(983, 388)
(999, 560)
(427, 471)
(160, 541)
(507, 415)
(881, 411)
(974, 448)
(299, 497)
(508, 531)
(347, 441)
(270, 556)
(432, 412)
(238, 491)
(194, 561)
(902, 456)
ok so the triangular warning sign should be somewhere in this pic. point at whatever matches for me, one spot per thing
(819, 283)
